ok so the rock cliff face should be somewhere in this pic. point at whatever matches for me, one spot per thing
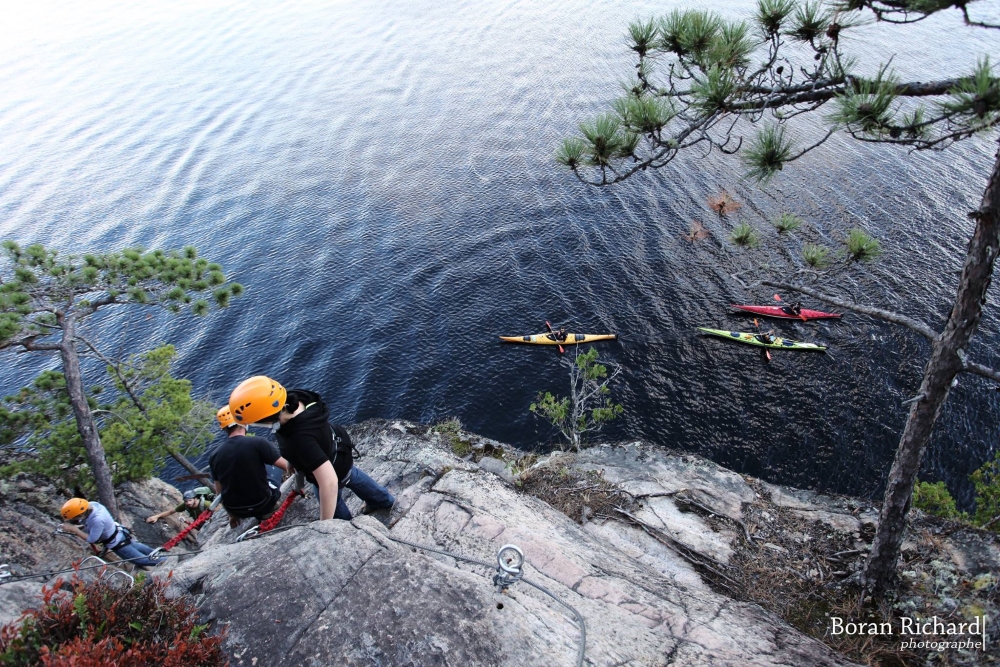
(656, 550)
(29, 515)
(338, 592)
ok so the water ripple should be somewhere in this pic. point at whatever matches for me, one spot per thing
(380, 178)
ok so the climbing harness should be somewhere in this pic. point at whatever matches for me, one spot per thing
(126, 540)
(293, 486)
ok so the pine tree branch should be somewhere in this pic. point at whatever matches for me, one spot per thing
(36, 323)
(815, 145)
(100, 303)
(116, 368)
(810, 93)
(979, 24)
(29, 345)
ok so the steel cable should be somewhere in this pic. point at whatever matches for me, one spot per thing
(21, 577)
(581, 623)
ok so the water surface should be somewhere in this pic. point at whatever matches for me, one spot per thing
(379, 176)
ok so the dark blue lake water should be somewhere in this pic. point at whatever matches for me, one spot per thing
(379, 176)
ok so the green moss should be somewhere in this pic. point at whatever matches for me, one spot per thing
(451, 429)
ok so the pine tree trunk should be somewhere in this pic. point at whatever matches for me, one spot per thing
(84, 419)
(576, 407)
(945, 364)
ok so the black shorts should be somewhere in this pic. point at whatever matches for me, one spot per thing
(259, 510)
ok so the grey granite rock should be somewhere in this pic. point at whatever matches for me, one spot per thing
(337, 592)
(353, 593)
(17, 596)
(497, 467)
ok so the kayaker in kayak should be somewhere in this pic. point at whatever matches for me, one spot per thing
(766, 338)
(794, 309)
(559, 335)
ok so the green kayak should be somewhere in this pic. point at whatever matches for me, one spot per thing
(760, 341)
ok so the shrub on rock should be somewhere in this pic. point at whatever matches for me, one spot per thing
(92, 624)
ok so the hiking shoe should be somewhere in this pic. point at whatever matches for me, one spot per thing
(366, 509)
(381, 514)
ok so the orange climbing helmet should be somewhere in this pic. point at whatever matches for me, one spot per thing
(73, 508)
(256, 398)
(225, 417)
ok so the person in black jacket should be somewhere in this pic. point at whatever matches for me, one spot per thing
(306, 439)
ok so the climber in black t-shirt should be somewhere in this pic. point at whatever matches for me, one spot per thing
(244, 471)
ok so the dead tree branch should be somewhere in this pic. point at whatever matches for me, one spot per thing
(871, 311)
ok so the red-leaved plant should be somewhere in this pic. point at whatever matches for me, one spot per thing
(96, 624)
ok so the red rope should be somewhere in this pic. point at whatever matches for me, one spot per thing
(275, 519)
(197, 523)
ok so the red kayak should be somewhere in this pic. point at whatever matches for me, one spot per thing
(777, 311)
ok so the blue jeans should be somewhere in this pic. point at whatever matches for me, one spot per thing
(274, 475)
(136, 550)
(364, 487)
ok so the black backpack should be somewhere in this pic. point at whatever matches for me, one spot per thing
(342, 443)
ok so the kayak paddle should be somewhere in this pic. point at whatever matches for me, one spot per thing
(767, 352)
(549, 327)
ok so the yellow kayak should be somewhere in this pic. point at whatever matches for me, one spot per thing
(549, 339)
